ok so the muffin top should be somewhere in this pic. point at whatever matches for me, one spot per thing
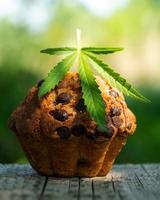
(62, 113)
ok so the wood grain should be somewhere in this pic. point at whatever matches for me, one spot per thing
(19, 182)
(128, 182)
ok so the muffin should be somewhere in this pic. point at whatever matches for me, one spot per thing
(60, 138)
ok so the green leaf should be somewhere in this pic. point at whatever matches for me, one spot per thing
(91, 93)
(115, 79)
(59, 51)
(101, 50)
(56, 74)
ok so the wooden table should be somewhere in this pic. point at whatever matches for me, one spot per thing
(128, 182)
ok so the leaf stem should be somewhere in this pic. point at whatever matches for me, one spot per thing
(78, 37)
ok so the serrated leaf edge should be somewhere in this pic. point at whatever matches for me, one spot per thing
(58, 50)
(109, 73)
(101, 50)
(71, 58)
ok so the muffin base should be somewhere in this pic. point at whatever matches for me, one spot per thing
(77, 156)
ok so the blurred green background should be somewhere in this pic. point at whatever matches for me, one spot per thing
(26, 26)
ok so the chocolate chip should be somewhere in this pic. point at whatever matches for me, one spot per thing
(78, 130)
(98, 132)
(60, 115)
(117, 121)
(115, 111)
(109, 132)
(80, 105)
(82, 161)
(91, 136)
(63, 132)
(129, 125)
(106, 134)
(123, 134)
(63, 98)
(113, 93)
(40, 82)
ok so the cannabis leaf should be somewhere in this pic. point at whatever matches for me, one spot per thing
(115, 79)
(56, 74)
(58, 51)
(91, 93)
(101, 50)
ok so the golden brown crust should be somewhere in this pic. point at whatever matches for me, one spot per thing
(48, 130)
(114, 149)
(117, 143)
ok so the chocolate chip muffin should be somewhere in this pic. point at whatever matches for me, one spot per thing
(58, 135)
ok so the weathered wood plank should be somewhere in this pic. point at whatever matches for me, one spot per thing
(19, 182)
(103, 188)
(85, 189)
(56, 188)
(124, 182)
(17, 170)
(134, 183)
(74, 188)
